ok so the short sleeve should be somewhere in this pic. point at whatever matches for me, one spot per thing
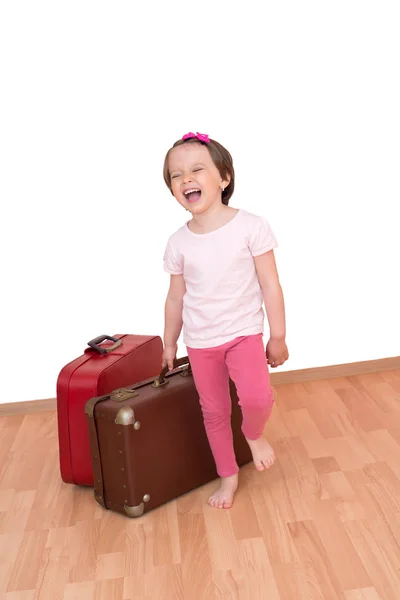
(262, 238)
(173, 262)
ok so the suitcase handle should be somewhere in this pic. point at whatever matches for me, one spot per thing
(94, 344)
(161, 380)
(178, 362)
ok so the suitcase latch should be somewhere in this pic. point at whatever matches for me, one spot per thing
(123, 394)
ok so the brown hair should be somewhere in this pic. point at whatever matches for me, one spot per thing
(221, 158)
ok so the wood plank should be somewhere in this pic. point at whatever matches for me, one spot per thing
(314, 559)
(195, 555)
(369, 593)
(294, 584)
(382, 568)
(258, 581)
(348, 567)
(25, 573)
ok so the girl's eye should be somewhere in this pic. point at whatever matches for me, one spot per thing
(177, 175)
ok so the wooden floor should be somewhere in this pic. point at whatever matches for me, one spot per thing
(323, 523)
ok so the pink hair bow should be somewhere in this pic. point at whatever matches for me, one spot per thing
(202, 137)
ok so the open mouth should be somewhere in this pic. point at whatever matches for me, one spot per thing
(193, 195)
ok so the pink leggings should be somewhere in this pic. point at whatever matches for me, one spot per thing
(244, 361)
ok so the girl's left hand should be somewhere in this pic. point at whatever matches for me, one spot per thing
(276, 352)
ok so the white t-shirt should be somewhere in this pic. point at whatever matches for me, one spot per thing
(223, 298)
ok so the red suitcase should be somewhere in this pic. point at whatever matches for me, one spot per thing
(121, 361)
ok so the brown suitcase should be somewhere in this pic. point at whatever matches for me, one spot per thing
(148, 442)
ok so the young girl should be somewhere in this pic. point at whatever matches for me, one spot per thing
(222, 268)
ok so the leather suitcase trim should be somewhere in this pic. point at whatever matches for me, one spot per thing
(94, 443)
(125, 416)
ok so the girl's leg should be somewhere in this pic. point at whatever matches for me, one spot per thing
(248, 368)
(211, 378)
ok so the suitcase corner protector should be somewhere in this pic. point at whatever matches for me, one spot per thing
(136, 511)
(125, 416)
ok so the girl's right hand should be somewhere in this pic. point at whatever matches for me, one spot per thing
(168, 356)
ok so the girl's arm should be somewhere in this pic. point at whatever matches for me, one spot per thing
(173, 318)
(275, 307)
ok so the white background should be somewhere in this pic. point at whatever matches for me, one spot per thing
(305, 96)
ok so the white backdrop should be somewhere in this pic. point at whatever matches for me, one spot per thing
(305, 95)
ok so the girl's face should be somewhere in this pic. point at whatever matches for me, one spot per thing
(192, 168)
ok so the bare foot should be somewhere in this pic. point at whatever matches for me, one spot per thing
(223, 495)
(263, 454)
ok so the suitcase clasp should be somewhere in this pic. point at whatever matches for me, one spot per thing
(123, 394)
